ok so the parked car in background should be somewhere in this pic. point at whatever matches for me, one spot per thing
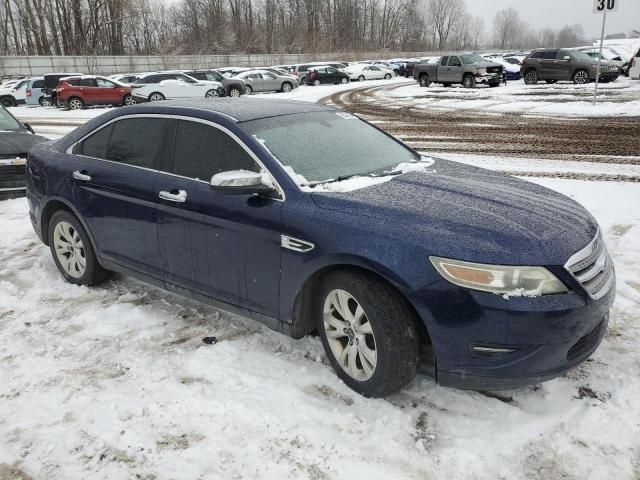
(365, 71)
(14, 94)
(325, 74)
(513, 60)
(229, 72)
(35, 92)
(159, 86)
(263, 81)
(553, 65)
(233, 87)
(88, 90)
(511, 71)
(634, 69)
(15, 142)
(406, 69)
(468, 69)
(126, 78)
(388, 66)
(301, 70)
(51, 81)
(500, 281)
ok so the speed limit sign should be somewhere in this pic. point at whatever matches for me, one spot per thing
(601, 6)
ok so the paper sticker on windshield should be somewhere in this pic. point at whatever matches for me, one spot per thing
(346, 115)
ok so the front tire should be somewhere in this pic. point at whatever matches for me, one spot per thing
(387, 76)
(249, 89)
(424, 80)
(368, 333)
(128, 100)
(581, 77)
(344, 80)
(234, 92)
(72, 251)
(468, 81)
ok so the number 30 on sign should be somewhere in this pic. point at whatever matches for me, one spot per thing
(600, 6)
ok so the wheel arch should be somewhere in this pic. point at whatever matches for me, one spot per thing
(54, 205)
(302, 319)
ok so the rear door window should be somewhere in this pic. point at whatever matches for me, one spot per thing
(122, 142)
(200, 151)
(549, 55)
(88, 82)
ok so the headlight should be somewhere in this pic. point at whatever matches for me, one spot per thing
(499, 279)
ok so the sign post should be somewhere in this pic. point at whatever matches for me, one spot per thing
(602, 7)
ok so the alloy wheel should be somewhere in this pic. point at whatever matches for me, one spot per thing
(211, 93)
(69, 249)
(530, 77)
(316, 82)
(129, 100)
(156, 97)
(581, 77)
(75, 104)
(234, 92)
(361, 78)
(286, 87)
(350, 335)
(344, 80)
(45, 102)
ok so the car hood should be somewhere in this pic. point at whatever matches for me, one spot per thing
(468, 213)
(18, 143)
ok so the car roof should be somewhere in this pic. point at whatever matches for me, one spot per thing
(238, 109)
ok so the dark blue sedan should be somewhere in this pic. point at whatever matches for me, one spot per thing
(307, 219)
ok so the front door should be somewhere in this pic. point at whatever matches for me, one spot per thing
(110, 93)
(453, 70)
(112, 181)
(226, 247)
(547, 64)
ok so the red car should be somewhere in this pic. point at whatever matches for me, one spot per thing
(76, 92)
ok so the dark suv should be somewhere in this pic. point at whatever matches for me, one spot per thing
(552, 65)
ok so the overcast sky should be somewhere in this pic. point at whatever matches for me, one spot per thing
(557, 13)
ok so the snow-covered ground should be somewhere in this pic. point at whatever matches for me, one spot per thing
(621, 97)
(114, 382)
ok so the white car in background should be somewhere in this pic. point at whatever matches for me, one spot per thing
(158, 86)
(126, 78)
(365, 71)
(14, 94)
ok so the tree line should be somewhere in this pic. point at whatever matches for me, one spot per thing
(173, 27)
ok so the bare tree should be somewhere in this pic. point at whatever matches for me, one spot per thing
(477, 31)
(444, 14)
(507, 26)
(571, 36)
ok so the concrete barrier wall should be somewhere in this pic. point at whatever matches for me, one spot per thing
(106, 65)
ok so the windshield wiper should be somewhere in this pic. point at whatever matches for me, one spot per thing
(364, 175)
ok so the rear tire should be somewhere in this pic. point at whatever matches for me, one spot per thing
(8, 101)
(387, 76)
(344, 80)
(234, 92)
(368, 332)
(156, 97)
(72, 251)
(316, 83)
(361, 78)
(75, 103)
(530, 77)
(249, 89)
(211, 93)
(44, 101)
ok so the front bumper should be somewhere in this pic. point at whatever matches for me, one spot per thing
(489, 78)
(483, 341)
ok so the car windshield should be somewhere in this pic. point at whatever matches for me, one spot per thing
(7, 122)
(581, 56)
(468, 59)
(327, 146)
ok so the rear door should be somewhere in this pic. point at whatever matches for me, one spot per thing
(548, 67)
(112, 181)
(270, 81)
(226, 247)
(256, 82)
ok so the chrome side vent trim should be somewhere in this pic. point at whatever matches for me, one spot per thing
(593, 268)
(296, 244)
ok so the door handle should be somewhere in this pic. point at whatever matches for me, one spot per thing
(82, 176)
(179, 197)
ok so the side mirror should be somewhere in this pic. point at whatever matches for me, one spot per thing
(240, 182)
(29, 128)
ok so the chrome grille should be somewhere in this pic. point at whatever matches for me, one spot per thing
(593, 268)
